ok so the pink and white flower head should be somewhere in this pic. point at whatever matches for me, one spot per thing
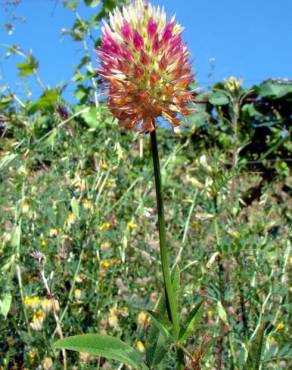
(145, 66)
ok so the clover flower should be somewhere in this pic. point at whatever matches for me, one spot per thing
(145, 66)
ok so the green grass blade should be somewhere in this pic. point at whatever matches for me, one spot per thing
(253, 361)
(164, 326)
(191, 322)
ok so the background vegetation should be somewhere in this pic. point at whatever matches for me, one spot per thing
(78, 241)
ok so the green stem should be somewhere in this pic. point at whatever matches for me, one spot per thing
(169, 291)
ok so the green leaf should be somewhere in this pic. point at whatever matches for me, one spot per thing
(191, 322)
(27, 67)
(274, 89)
(218, 98)
(75, 207)
(92, 3)
(5, 304)
(221, 312)
(164, 326)
(90, 118)
(253, 361)
(104, 346)
(46, 102)
(6, 160)
(198, 118)
(157, 345)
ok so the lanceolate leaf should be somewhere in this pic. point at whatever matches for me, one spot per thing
(162, 325)
(192, 322)
(104, 346)
(156, 345)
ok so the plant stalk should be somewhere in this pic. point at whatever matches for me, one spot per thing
(164, 255)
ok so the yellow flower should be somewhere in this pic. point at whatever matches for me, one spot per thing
(25, 207)
(233, 84)
(50, 304)
(47, 363)
(142, 319)
(70, 219)
(113, 320)
(104, 166)
(110, 183)
(271, 340)
(105, 264)
(77, 294)
(124, 311)
(43, 243)
(37, 320)
(280, 326)
(131, 225)
(32, 354)
(210, 313)
(87, 204)
(105, 226)
(53, 232)
(32, 302)
(140, 346)
(106, 245)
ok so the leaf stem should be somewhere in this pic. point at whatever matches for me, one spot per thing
(164, 255)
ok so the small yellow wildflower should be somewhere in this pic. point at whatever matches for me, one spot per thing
(105, 264)
(106, 245)
(70, 219)
(37, 320)
(79, 183)
(124, 311)
(25, 207)
(77, 294)
(43, 243)
(32, 354)
(210, 313)
(32, 302)
(113, 320)
(87, 204)
(280, 326)
(104, 165)
(105, 226)
(53, 232)
(47, 363)
(131, 225)
(140, 346)
(271, 340)
(110, 183)
(50, 304)
(233, 84)
(142, 319)
(84, 357)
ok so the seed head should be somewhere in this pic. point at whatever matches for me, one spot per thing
(145, 66)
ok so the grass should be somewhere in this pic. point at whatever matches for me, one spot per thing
(81, 208)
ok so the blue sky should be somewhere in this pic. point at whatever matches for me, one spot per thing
(251, 39)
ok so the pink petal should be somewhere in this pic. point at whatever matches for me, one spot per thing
(126, 31)
(156, 44)
(138, 40)
(167, 32)
(151, 28)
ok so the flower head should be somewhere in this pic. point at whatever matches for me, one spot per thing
(145, 66)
